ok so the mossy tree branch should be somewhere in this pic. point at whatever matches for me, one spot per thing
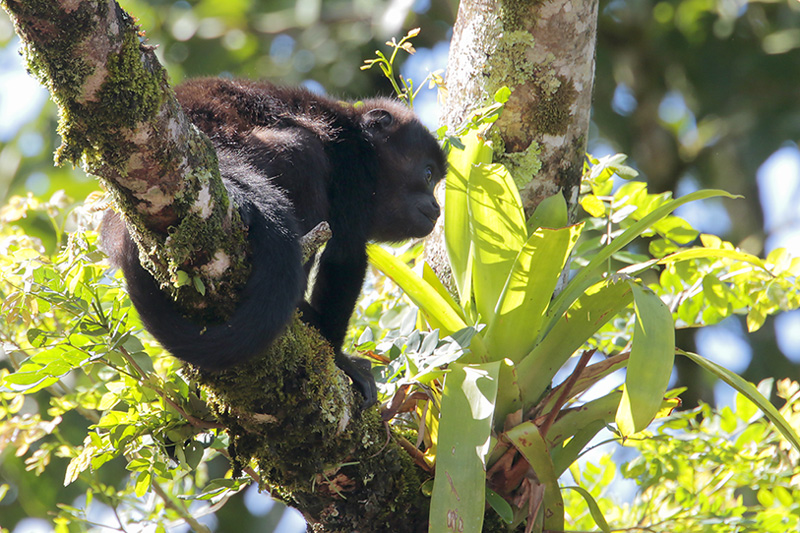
(291, 411)
(119, 119)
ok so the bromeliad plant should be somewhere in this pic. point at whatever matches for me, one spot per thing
(497, 429)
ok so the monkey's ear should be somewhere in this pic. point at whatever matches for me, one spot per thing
(378, 119)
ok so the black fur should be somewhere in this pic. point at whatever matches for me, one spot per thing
(289, 160)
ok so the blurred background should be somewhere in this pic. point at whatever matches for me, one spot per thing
(699, 93)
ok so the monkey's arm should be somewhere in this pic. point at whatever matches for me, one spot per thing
(338, 283)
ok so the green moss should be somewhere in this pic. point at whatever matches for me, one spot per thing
(272, 407)
(130, 94)
(551, 113)
(55, 54)
(55, 66)
(283, 411)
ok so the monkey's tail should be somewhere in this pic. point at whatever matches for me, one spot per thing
(275, 287)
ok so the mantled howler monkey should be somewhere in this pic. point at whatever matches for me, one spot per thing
(290, 159)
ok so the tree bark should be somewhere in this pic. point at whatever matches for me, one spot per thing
(119, 118)
(543, 50)
(292, 410)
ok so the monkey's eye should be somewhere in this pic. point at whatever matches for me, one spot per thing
(428, 174)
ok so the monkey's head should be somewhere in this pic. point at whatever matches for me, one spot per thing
(411, 163)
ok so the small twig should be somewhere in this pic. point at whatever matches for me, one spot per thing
(314, 239)
(182, 511)
(145, 380)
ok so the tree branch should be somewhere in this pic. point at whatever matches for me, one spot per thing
(119, 118)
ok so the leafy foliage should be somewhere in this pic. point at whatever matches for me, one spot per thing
(79, 351)
(70, 330)
(506, 268)
(702, 471)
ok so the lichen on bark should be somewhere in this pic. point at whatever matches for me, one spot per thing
(544, 52)
(119, 119)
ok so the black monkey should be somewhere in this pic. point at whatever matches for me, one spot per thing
(290, 159)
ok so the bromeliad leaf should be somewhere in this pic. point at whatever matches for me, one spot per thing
(430, 302)
(527, 291)
(497, 230)
(456, 212)
(750, 391)
(526, 439)
(465, 428)
(650, 363)
(589, 313)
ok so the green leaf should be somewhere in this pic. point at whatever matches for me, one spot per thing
(181, 278)
(142, 484)
(591, 272)
(456, 212)
(421, 293)
(749, 391)
(550, 213)
(593, 205)
(199, 286)
(193, 452)
(564, 456)
(430, 276)
(718, 294)
(589, 313)
(713, 253)
(500, 505)
(509, 399)
(497, 230)
(573, 421)
(520, 307)
(594, 509)
(502, 95)
(650, 362)
(465, 427)
(528, 441)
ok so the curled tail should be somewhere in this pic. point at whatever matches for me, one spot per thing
(269, 298)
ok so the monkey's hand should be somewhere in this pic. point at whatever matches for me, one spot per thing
(358, 369)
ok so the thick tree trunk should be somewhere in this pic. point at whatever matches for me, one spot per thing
(544, 52)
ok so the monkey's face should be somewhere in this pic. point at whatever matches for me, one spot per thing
(411, 164)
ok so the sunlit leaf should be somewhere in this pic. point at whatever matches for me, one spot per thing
(750, 391)
(520, 307)
(594, 509)
(421, 293)
(456, 213)
(497, 230)
(650, 362)
(589, 313)
(457, 502)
